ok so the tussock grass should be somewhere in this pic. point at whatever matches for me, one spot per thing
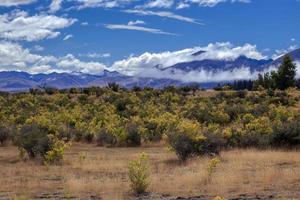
(104, 172)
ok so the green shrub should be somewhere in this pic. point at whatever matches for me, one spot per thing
(187, 140)
(4, 134)
(77, 135)
(138, 172)
(181, 144)
(133, 137)
(212, 144)
(286, 134)
(88, 137)
(34, 140)
(105, 138)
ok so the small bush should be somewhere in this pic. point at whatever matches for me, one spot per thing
(4, 135)
(34, 140)
(88, 137)
(56, 154)
(133, 137)
(105, 138)
(181, 144)
(220, 117)
(257, 133)
(187, 140)
(138, 172)
(212, 164)
(286, 134)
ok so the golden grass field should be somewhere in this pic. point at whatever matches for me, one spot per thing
(89, 171)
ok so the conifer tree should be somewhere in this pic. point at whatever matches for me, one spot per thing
(285, 76)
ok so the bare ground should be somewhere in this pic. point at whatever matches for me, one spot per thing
(102, 174)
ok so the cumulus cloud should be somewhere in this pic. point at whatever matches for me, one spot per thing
(18, 25)
(13, 57)
(217, 51)
(182, 5)
(164, 14)
(71, 63)
(132, 27)
(8, 3)
(55, 6)
(155, 64)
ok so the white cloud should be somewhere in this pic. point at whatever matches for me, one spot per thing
(102, 3)
(55, 6)
(182, 5)
(280, 52)
(137, 22)
(99, 55)
(96, 55)
(293, 39)
(19, 26)
(137, 28)
(150, 64)
(212, 3)
(67, 37)
(298, 69)
(71, 63)
(13, 57)
(158, 4)
(8, 3)
(38, 48)
(84, 23)
(164, 14)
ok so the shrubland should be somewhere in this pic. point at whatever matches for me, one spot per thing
(44, 122)
(190, 122)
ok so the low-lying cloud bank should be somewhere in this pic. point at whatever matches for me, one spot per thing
(14, 57)
(218, 51)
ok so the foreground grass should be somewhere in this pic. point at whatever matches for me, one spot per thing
(90, 170)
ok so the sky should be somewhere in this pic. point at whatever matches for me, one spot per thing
(131, 36)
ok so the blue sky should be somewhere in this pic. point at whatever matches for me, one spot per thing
(88, 35)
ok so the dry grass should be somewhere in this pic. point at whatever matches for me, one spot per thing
(104, 172)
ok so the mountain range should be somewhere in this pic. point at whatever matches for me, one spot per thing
(13, 81)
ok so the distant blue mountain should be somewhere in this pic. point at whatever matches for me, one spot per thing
(295, 55)
(21, 81)
(12, 81)
(215, 65)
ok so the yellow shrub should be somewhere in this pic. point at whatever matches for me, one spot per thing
(212, 164)
(138, 172)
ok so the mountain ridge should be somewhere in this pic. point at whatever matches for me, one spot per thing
(13, 81)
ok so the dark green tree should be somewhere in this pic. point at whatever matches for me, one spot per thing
(285, 76)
